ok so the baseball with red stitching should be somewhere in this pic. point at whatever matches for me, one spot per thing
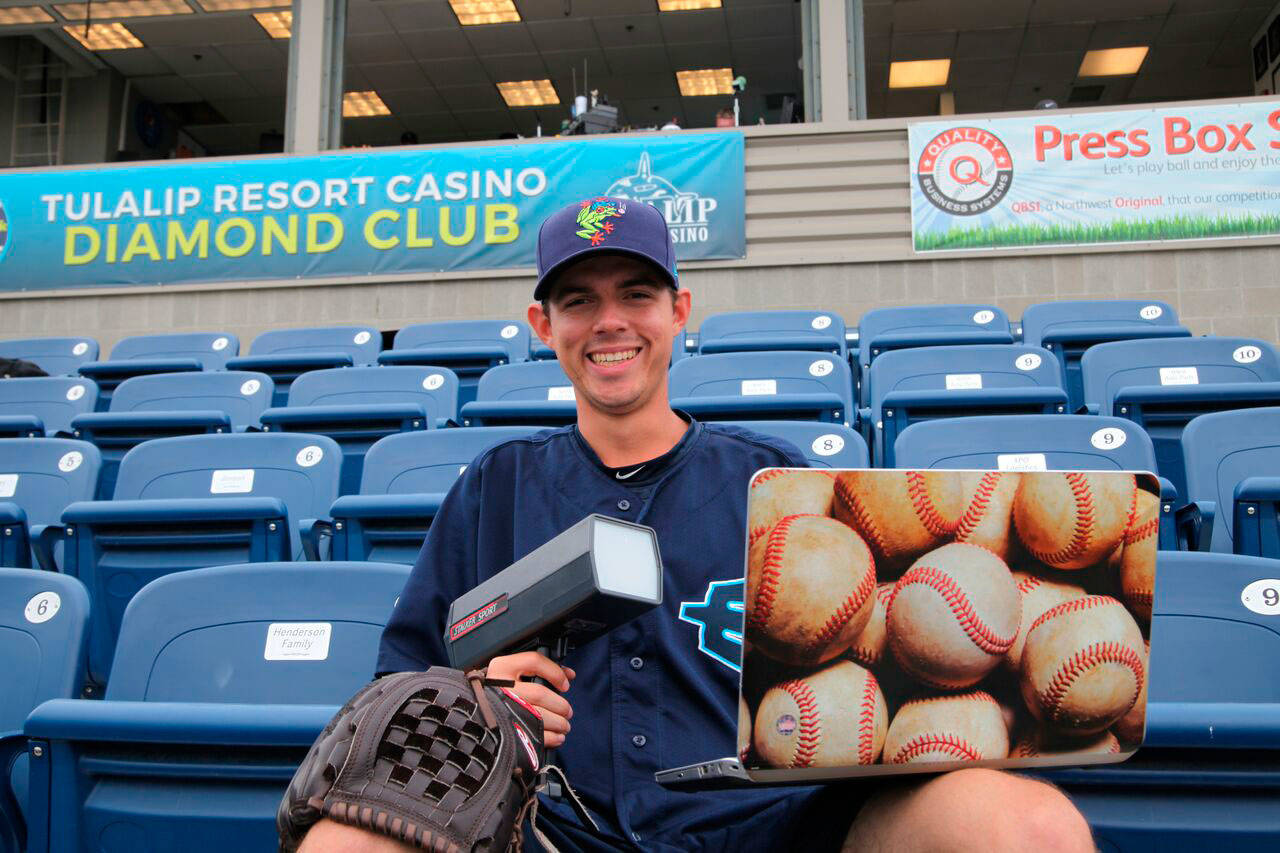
(900, 514)
(1131, 727)
(1082, 666)
(953, 616)
(744, 730)
(988, 508)
(869, 647)
(1040, 743)
(963, 727)
(779, 492)
(834, 718)
(1138, 556)
(810, 589)
(1072, 519)
(1036, 595)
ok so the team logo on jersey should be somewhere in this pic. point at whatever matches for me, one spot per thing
(4, 231)
(593, 219)
(719, 619)
(965, 171)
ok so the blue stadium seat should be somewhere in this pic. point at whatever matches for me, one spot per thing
(907, 386)
(752, 331)
(764, 386)
(1232, 459)
(405, 478)
(39, 478)
(468, 348)
(56, 356)
(34, 406)
(538, 351)
(194, 501)
(1208, 774)
(44, 620)
(1068, 328)
(533, 393)
(160, 405)
(222, 680)
(181, 353)
(285, 354)
(356, 406)
(824, 445)
(1162, 384)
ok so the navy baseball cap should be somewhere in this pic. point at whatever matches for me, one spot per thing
(603, 224)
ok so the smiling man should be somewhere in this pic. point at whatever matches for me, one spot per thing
(651, 695)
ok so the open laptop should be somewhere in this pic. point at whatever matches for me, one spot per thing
(903, 621)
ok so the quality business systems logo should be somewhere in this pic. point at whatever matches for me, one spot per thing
(965, 171)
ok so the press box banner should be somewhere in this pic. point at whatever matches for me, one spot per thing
(355, 213)
(1051, 179)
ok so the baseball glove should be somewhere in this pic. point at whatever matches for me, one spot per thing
(439, 760)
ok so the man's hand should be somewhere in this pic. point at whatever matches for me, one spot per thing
(555, 709)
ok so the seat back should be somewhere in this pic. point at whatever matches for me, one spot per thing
(883, 329)
(435, 389)
(56, 356)
(513, 337)
(362, 343)
(1221, 449)
(823, 445)
(54, 400)
(284, 633)
(428, 462)
(211, 349)
(44, 619)
(242, 394)
(527, 381)
(745, 331)
(44, 475)
(764, 385)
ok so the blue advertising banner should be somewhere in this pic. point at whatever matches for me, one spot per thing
(354, 213)
(1168, 173)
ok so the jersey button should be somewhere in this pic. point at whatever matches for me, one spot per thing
(624, 504)
(637, 663)
(639, 740)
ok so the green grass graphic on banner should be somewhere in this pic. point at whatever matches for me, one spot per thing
(1141, 230)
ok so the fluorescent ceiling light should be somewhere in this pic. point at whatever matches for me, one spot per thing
(361, 104)
(705, 81)
(24, 15)
(528, 93)
(686, 5)
(123, 9)
(234, 5)
(104, 36)
(921, 72)
(279, 25)
(473, 12)
(1114, 62)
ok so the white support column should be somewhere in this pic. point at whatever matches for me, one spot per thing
(833, 60)
(313, 112)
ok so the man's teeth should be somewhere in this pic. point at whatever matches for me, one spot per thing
(612, 357)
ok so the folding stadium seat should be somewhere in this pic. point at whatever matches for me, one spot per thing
(1208, 774)
(1162, 384)
(765, 386)
(356, 406)
(194, 501)
(38, 405)
(824, 445)
(44, 620)
(223, 678)
(285, 354)
(1232, 462)
(468, 348)
(405, 479)
(1036, 443)
(538, 351)
(160, 405)
(39, 478)
(143, 354)
(1069, 328)
(928, 383)
(533, 393)
(752, 331)
(56, 356)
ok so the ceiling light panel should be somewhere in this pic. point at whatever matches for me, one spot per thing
(235, 5)
(921, 72)
(104, 36)
(528, 93)
(474, 12)
(24, 15)
(279, 25)
(686, 5)
(1114, 62)
(362, 104)
(705, 81)
(123, 9)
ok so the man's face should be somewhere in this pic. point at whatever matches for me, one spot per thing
(611, 319)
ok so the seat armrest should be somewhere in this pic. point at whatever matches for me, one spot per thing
(443, 356)
(1213, 725)
(295, 362)
(43, 538)
(1195, 525)
(518, 411)
(178, 722)
(87, 425)
(1036, 395)
(117, 512)
(386, 506)
(900, 340)
(758, 406)
(1118, 331)
(313, 532)
(284, 418)
(132, 367)
(21, 426)
(1254, 527)
(771, 343)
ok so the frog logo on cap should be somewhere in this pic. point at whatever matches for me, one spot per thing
(593, 218)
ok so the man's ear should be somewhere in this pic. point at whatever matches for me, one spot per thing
(683, 305)
(539, 322)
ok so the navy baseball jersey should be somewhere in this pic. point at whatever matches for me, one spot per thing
(658, 692)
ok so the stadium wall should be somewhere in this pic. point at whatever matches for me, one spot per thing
(828, 226)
